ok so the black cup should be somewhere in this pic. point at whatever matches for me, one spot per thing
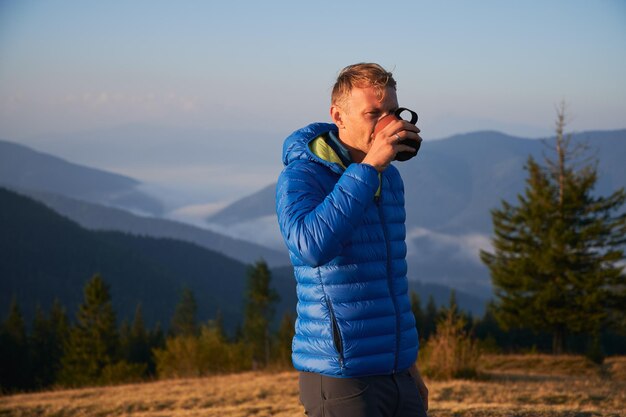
(405, 155)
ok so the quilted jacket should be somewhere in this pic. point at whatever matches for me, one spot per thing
(344, 228)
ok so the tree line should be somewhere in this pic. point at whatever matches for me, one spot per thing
(92, 349)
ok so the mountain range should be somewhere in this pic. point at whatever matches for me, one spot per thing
(99, 217)
(450, 188)
(100, 200)
(46, 256)
(25, 168)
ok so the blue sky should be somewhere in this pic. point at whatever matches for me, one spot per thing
(267, 67)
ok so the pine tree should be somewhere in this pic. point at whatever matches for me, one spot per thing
(218, 324)
(14, 364)
(452, 302)
(453, 306)
(487, 327)
(40, 342)
(184, 322)
(38, 349)
(135, 341)
(259, 312)
(48, 336)
(59, 324)
(140, 349)
(555, 261)
(124, 334)
(284, 338)
(416, 307)
(156, 340)
(430, 321)
(93, 343)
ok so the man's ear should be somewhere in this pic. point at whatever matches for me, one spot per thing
(336, 115)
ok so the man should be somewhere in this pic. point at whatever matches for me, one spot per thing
(340, 206)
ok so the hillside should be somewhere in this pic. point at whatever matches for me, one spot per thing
(97, 217)
(24, 168)
(47, 256)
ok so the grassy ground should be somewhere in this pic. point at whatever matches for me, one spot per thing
(519, 385)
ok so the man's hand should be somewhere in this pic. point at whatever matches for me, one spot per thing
(386, 144)
(421, 387)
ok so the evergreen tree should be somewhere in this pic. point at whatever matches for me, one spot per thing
(430, 321)
(218, 324)
(14, 351)
(124, 334)
(40, 344)
(470, 322)
(139, 346)
(48, 336)
(39, 349)
(156, 340)
(135, 341)
(487, 326)
(156, 336)
(259, 312)
(555, 261)
(416, 307)
(452, 308)
(59, 324)
(238, 337)
(93, 342)
(184, 322)
(453, 305)
(284, 338)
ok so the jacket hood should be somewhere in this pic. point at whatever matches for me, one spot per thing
(296, 145)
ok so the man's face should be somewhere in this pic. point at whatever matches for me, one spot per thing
(359, 114)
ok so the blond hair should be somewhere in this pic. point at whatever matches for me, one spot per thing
(359, 76)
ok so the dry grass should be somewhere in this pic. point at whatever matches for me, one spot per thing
(517, 385)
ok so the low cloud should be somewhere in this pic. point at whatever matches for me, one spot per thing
(263, 231)
(465, 247)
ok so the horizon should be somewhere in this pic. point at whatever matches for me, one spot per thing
(181, 187)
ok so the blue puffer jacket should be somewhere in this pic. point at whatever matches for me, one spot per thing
(346, 237)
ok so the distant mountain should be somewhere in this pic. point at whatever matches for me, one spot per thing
(24, 168)
(455, 182)
(46, 256)
(87, 195)
(96, 217)
(198, 164)
(450, 189)
(260, 204)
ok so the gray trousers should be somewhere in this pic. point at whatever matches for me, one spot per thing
(373, 396)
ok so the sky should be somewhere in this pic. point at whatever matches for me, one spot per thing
(267, 68)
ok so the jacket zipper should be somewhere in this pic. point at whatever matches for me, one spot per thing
(336, 333)
(389, 276)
